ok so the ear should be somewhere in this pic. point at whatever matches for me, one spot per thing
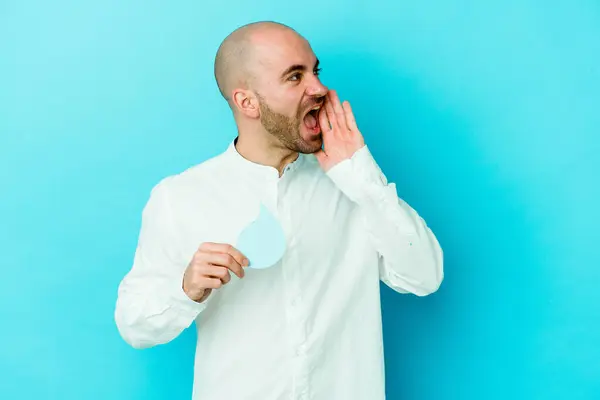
(246, 103)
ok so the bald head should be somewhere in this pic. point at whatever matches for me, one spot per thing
(236, 57)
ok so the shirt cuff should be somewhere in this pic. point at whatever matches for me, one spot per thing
(360, 178)
(187, 308)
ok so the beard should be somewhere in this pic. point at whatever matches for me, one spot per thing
(287, 129)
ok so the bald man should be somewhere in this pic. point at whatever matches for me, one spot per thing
(295, 315)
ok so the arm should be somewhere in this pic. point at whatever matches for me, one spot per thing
(411, 259)
(151, 306)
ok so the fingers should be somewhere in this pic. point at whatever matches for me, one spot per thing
(338, 111)
(225, 260)
(350, 120)
(323, 120)
(211, 272)
(211, 283)
(210, 269)
(225, 248)
(330, 113)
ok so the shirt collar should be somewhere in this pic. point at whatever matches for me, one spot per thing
(260, 171)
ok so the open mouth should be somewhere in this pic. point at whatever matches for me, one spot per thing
(311, 119)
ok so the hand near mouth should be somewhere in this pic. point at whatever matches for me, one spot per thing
(341, 137)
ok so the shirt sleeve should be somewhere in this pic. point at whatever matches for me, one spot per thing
(411, 259)
(151, 306)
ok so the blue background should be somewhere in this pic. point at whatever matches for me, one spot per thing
(485, 114)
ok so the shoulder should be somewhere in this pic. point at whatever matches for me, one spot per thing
(190, 184)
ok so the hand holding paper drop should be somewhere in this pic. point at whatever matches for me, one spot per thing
(263, 241)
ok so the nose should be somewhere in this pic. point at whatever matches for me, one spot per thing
(316, 88)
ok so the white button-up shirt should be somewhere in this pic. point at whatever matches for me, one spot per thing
(308, 327)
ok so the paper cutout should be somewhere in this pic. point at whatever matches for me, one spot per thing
(263, 241)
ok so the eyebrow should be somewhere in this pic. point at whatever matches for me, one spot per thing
(299, 68)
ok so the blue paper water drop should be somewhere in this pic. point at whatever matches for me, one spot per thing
(263, 241)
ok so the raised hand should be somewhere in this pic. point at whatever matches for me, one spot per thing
(341, 137)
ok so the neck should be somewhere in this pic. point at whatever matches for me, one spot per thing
(260, 150)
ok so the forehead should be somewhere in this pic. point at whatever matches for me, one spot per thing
(276, 51)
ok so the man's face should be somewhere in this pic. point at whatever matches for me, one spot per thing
(290, 92)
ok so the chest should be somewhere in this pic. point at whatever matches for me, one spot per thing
(319, 222)
(325, 240)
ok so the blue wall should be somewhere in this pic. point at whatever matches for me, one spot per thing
(485, 114)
